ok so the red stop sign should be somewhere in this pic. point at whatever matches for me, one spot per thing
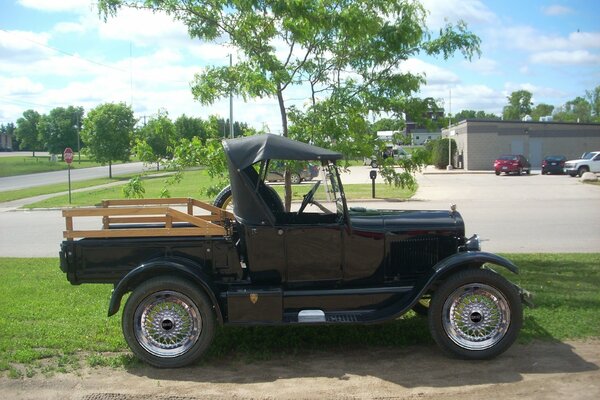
(68, 155)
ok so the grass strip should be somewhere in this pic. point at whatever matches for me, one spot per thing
(47, 325)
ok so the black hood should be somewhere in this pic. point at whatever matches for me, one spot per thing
(407, 221)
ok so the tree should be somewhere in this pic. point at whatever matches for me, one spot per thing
(155, 140)
(519, 105)
(190, 127)
(27, 131)
(472, 114)
(593, 97)
(107, 131)
(576, 110)
(541, 110)
(344, 52)
(59, 128)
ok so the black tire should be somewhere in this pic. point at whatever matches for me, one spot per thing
(582, 170)
(223, 199)
(528, 172)
(497, 173)
(572, 175)
(475, 314)
(168, 322)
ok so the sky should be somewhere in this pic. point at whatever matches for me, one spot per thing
(56, 53)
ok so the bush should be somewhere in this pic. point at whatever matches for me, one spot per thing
(439, 152)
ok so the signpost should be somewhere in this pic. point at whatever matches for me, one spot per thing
(68, 157)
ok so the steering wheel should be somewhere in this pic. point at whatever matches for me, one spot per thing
(308, 197)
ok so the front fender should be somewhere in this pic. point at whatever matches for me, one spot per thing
(472, 258)
(159, 267)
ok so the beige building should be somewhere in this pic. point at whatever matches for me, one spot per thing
(480, 142)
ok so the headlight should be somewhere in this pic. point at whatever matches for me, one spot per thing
(472, 244)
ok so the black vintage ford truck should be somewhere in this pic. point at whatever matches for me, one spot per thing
(323, 263)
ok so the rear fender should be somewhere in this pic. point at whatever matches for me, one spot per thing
(171, 267)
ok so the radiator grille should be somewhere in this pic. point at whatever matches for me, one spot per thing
(413, 256)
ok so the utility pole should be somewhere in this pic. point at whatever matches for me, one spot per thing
(449, 166)
(230, 102)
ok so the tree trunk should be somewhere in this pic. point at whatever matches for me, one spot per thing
(157, 166)
(110, 170)
(33, 153)
(287, 175)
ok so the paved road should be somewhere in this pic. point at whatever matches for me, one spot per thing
(510, 213)
(48, 178)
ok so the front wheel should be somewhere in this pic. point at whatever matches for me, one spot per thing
(582, 170)
(475, 314)
(168, 322)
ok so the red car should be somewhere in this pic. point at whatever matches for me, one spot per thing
(512, 164)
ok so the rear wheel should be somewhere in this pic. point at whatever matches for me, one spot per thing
(168, 322)
(497, 172)
(475, 314)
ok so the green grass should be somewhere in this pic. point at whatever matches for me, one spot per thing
(21, 165)
(193, 184)
(49, 326)
(56, 188)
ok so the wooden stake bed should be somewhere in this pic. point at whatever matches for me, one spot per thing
(149, 217)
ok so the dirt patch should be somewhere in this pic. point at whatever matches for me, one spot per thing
(541, 370)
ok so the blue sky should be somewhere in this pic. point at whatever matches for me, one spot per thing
(58, 53)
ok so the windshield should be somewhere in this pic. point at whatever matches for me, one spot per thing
(587, 156)
(327, 197)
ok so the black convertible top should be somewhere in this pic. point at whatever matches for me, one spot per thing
(243, 152)
(249, 192)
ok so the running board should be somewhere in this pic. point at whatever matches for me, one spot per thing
(321, 317)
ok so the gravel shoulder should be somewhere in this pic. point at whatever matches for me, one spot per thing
(540, 370)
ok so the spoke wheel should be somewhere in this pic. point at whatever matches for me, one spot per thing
(168, 322)
(475, 314)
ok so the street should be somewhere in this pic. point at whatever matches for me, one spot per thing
(49, 178)
(525, 214)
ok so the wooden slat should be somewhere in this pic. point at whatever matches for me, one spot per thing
(146, 211)
(216, 230)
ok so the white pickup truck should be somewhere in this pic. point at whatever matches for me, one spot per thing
(589, 162)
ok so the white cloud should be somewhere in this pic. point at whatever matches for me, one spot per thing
(75, 6)
(484, 66)
(556, 9)
(68, 27)
(144, 28)
(576, 57)
(22, 46)
(433, 74)
(19, 86)
(528, 38)
(470, 11)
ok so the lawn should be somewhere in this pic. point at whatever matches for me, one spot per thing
(21, 165)
(49, 326)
